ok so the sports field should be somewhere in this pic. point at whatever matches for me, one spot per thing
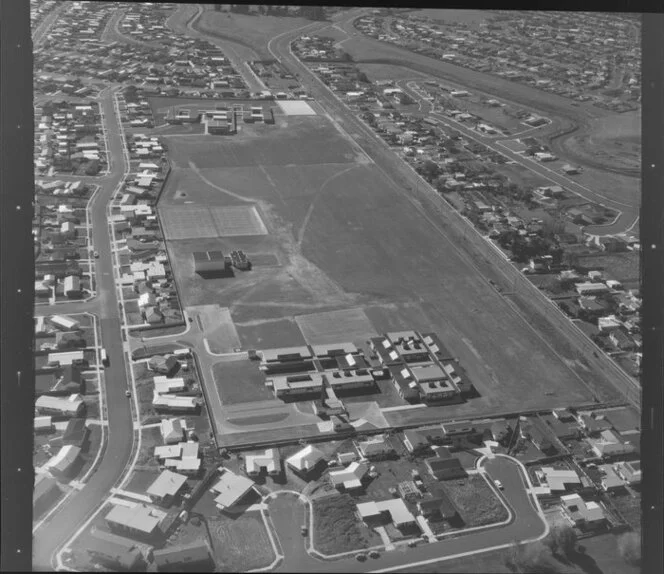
(192, 221)
(336, 326)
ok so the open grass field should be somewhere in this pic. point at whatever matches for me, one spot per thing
(335, 326)
(616, 142)
(269, 334)
(378, 72)
(476, 501)
(311, 140)
(251, 31)
(240, 544)
(240, 382)
(336, 527)
(193, 221)
(623, 267)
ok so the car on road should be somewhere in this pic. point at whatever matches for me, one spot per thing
(96, 254)
(127, 393)
(304, 530)
(498, 484)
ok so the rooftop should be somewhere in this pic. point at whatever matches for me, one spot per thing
(167, 484)
(231, 488)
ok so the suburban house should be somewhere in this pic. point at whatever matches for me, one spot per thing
(350, 477)
(184, 558)
(71, 406)
(60, 465)
(163, 365)
(72, 286)
(629, 471)
(379, 513)
(376, 448)
(610, 481)
(535, 435)
(610, 444)
(437, 507)
(415, 441)
(305, 461)
(584, 515)
(594, 425)
(140, 521)
(557, 480)
(231, 488)
(268, 461)
(408, 490)
(175, 403)
(501, 432)
(166, 487)
(184, 461)
(171, 431)
(66, 358)
(444, 466)
(621, 340)
(113, 551)
(165, 385)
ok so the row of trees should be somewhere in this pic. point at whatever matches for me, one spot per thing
(309, 12)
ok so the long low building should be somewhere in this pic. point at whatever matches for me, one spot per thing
(175, 403)
(71, 406)
(61, 463)
(297, 385)
(350, 379)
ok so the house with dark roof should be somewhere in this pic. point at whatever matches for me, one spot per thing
(444, 466)
(594, 426)
(113, 551)
(535, 435)
(193, 557)
(163, 365)
(438, 507)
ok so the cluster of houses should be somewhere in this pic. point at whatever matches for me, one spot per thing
(513, 45)
(313, 48)
(416, 364)
(61, 239)
(68, 138)
(39, 10)
(78, 25)
(59, 406)
(170, 393)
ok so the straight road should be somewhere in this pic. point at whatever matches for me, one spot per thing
(598, 369)
(49, 537)
(287, 514)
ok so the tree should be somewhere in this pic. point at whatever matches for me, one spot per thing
(429, 169)
(629, 547)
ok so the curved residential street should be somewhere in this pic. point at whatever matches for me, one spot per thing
(287, 514)
(64, 523)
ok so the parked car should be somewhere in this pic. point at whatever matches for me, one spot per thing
(127, 393)
(304, 530)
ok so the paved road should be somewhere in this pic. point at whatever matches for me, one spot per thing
(287, 515)
(64, 523)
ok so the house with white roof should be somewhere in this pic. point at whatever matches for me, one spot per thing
(172, 431)
(164, 385)
(377, 447)
(268, 461)
(61, 463)
(137, 521)
(584, 515)
(392, 510)
(305, 460)
(166, 487)
(350, 477)
(557, 481)
(231, 488)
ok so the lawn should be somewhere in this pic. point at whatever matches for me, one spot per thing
(141, 480)
(629, 507)
(251, 31)
(476, 501)
(148, 334)
(150, 438)
(239, 544)
(336, 528)
(623, 267)
(240, 382)
(270, 334)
